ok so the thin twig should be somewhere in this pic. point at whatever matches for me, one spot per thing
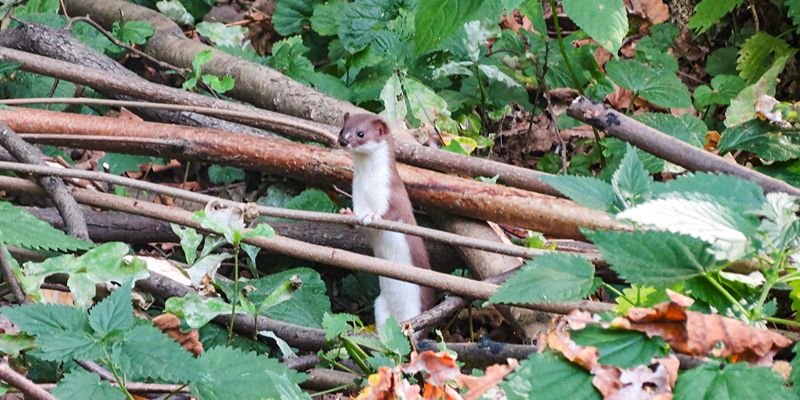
(10, 278)
(23, 384)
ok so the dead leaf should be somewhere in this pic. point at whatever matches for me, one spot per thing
(478, 385)
(712, 140)
(439, 367)
(621, 98)
(516, 21)
(699, 334)
(388, 384)
(50, 296)
(654, 11)
(171, 326)
(645, 382)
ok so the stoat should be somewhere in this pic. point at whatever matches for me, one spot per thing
(378, 192)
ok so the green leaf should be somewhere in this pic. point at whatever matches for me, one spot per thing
(760, 137)
(196, 310)
(639, 296)
(392, 337)
(219, 85)
(794, 12)
(423, 103)
(327, 17)
(758, 53)
(370, 22)
(621, 348)
(742, 107)
(132, 32)
(687, 128)
(548, 278)
(27, 84)
(175, 11)
(722, 61)
(546, 376)
(221, 35)
(12, 345)
(730, 381)
(288, 57)
(606, 21)
(20, 228)
(727, 189)
(119, 164)
(780, 224)
(62, 332)
(437, 20)
(312, 200)
(725, 88)
(206, 266)
(337, 324)
(586, 191)
(708, 12)
(113, 314)
(225, 373)
(79, 385)
(657, 87)
(292, 16)
(145, 352)
(190, 241)
(659, 259)
(631, 184)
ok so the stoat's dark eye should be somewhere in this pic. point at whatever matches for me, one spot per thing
(360, 133)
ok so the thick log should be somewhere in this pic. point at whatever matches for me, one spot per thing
(553, 216)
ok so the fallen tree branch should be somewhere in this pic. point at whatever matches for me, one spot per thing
(553, 216)
(55, 187)
(10, 278)
(667, 147)
(23, 384)
(312, 216)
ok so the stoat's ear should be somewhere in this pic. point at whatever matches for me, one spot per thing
(346, 116)
(380, 126)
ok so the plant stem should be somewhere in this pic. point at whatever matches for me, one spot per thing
(235, 297)
(618, 293)
(332, 390)
(727, 294)
(563, 49)
(783, 321)
(484, 118)
(120, 382)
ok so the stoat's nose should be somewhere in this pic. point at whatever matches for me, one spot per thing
(342, 141)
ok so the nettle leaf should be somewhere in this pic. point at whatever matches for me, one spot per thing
(758, 53)
(586, 191)
(288, 57)
(225, 373)
(687, 128)
(742, 107)
(391, 336)
(113, 314)
(727, 381)
(708, 12)
(312, 200)
(725, 88)
(762, 138)
(195, 310)
(175, 11)
(292, 16)
(21, 228)
(423, 103)
(621, 348)
(606, 21)
(145, 352)
(661, 89)
(221, 35)
(653, 258)
(367, 22)
(548, 278)
(337, 324)
(132, 32)
(79, 384)
(631, 183)
(327, 17)
(438, 20)
(37, 7)
(780, 225)
(27, 84)
(545, 375)
(726, 228)
(727, 189)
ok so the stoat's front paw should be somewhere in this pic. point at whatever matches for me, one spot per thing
(368, 217)
(346, 211)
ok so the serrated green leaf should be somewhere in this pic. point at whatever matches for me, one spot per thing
(337, 324)
(762, 138)
(132, 32)
(312, 200)
(62, 332)
(27, 84)
(639, 296)
(288, 57)
(660, 88)
(725, 88)
(145, 352)
(113, 314)
(780, 225)
(758, 53)
(224, 373)
(687, 128)
(631, 183)
(221, 35)
(606, 21)
(367, 22)
(548, 278)
(708, 12)
(742, 107)
(292, 16)
(437, 20)
(659, 259)
(621, 348)
(722, 62)
(392, 337)
(20, 228)
(586, 191)
(195, 310)
(219, 85)
(79, 385)
(327, 17)
(222, 175)
(730, 381)
(794, 12)
(545, 376)
(722, 188)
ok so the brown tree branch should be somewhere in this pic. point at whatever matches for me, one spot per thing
(10, 278)
(55, 187)
(23, 384)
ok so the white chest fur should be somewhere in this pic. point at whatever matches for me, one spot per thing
(371, 191)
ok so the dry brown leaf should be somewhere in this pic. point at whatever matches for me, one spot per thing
(516, 21)
(50, 296)
(439, 367)
(654, 11)
(478, 385)
(712, 140)
(388, 384)
(620, 99)
(699, 334)
(171, 326)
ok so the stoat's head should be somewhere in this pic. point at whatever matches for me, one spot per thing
(363, 133)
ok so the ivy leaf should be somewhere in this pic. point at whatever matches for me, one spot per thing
(79, 384)
(586, 191)
(708, 12)
(221, 35)
(742, 107)
(762, 138)
(292, 16)
(631, 184)
(726, 228)
(21, 228)
(545, 375)
(606, 21)
(548, 278)
(145, 352)
(225, 373)
(113, 314)
(652, 258)
(392, 337)
(621, 348)
(661, 89)
(132, 32)
(739, 380)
